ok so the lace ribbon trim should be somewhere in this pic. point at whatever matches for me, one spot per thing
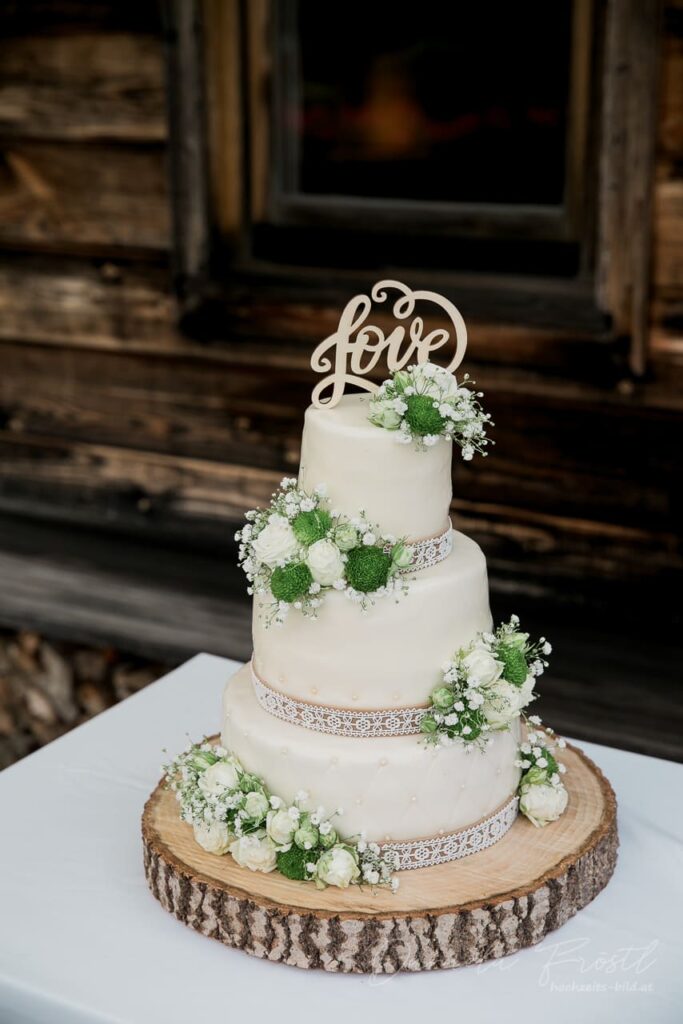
(426, 853)
(430, 551)
(337, 721)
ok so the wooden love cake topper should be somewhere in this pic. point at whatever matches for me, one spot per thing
(356, 346)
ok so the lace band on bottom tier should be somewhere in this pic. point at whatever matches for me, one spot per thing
(337, 721)
(426, 853)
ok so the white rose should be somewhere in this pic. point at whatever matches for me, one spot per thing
(276, 542)
(526, 690)
(281, 827)
(543, 803)
(337, 867)
(256, 805)
(482, 668)
(501, 703)
(213, 838)
(383, 414)
(219, 777)
(255, 852)
(325, 562)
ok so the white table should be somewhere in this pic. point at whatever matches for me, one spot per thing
(82, 939)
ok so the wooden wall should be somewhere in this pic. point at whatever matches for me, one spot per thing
(110, 418)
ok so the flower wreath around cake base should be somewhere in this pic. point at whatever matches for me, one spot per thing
(232, 811)
(425, 402)
(297, 550)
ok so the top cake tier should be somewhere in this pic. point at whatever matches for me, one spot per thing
(404, 491)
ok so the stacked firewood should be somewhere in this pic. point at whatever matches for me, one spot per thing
(47, 688)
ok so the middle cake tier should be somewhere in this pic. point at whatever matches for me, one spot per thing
(391, 788)
(386, 657)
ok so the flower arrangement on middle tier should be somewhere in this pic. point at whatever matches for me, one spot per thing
(297, 550)
(485, 686)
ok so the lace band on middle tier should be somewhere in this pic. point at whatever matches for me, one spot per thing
(431, 550)
(337, 721)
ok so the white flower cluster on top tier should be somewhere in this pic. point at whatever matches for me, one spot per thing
(486, 685)
(297, 550)
(425, 402)
(231, 811)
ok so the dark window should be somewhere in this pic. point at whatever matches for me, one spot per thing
(448, 103)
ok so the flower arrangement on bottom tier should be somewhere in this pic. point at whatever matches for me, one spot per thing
(232, 811)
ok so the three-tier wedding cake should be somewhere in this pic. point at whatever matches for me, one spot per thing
(384, 660)
(380, 725)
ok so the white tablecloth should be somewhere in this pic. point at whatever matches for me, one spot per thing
(82, 939)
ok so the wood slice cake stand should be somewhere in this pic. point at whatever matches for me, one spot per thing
(484, 906)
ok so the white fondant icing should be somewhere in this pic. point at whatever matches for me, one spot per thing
(444, 801)
(406, 492)
(388, 656)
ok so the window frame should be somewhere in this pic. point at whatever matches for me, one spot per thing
(221, 157)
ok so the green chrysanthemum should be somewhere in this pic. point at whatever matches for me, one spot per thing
(368, 568)
(515, 668)
(422, 417)
(311, 526)
(292, 863)
(290, 582)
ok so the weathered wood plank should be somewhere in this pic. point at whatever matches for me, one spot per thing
(670, 132)
(152, 601)
(89, 198)
(81, 87)
(77, 303)
(668, 253)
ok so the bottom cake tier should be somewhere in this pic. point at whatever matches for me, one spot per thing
(392, 788)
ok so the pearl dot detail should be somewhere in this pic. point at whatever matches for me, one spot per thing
(383, 762)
